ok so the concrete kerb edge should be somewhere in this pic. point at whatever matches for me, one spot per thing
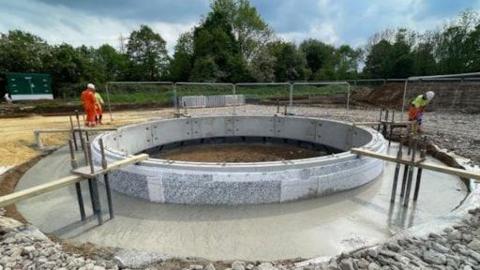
(239, 173)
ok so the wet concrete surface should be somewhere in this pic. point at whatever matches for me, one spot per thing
(309, 228)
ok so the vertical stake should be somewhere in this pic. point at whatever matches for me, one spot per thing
(90, 158)
(410, 175)
(79, 129)
(397, 172)
(384, 124)
(278, 106)
(380, 120)
(78, 188)
(106, 180)
(405, 170)
(96, 204)
(85, 153)
(423, 154)
(74, 137)
(391, 129)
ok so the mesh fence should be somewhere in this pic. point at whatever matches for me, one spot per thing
(141, 93)
(452, 117)
(264, 93)
(321, 93)
(457, 95)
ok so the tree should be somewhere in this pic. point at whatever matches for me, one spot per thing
(290, 62)
(215, 44)
(113, 64)
(473, 44)
(181, 64)
(378, 64)
(262, 67)
(401, 56)
(148, 55)
(65, 64)
(425, 63)
(456, 44)
(387, 59)
(22, 52)
(248, 27)
(348, 59)
(321, 58)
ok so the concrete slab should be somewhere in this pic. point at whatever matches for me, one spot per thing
(308, 228)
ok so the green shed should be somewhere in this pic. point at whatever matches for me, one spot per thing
(29, 86)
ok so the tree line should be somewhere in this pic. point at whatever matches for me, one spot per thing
(232, 43)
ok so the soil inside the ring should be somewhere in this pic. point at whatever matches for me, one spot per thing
(238, 152)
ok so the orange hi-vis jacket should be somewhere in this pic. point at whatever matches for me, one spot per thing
(88, 101)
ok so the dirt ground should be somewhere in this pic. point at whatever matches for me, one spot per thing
(238, 152)
(17, 142)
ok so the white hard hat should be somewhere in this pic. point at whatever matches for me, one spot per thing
(91, 86)
(430, 95)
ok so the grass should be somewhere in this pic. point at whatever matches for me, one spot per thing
(164, 95)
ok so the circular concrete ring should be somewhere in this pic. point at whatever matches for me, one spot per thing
(167, 181)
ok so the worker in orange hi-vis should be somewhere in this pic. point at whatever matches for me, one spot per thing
(88, 101)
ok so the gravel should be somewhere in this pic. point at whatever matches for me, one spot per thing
(25, 247)
(435, 251)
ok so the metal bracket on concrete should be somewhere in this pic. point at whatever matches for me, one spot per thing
(278, 126)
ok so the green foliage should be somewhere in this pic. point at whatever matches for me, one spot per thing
(181, 64)
(216, 53)
(290, 63)
(454, 49)
(147, 53)
(22, 52)
(233, 43)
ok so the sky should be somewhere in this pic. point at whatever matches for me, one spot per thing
(95, 22)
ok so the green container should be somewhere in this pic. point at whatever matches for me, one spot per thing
(28, 86)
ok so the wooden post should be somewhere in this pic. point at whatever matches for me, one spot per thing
(38, 140)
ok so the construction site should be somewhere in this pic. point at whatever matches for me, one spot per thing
(321, 175)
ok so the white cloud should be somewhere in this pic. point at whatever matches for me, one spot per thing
(320, 30)
(58, 24)
(332, 21)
